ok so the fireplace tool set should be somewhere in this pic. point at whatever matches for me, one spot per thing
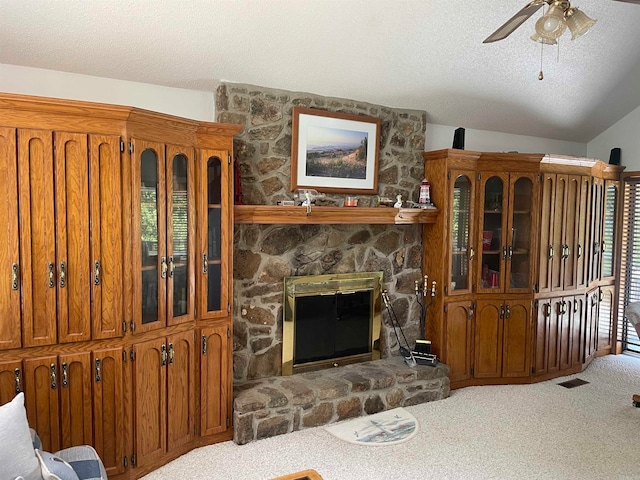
(421, 353)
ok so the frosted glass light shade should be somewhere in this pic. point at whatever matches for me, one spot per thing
(551, 25)
(578, 22)
(547, 41)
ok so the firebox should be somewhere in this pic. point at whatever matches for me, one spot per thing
(330, 320)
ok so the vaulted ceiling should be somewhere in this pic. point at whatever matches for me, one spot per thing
(422, 54)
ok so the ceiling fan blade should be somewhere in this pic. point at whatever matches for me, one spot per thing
(514, 22)
(637, 2)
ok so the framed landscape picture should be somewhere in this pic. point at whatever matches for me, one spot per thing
(334, 152)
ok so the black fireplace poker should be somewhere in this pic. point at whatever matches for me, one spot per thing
(404, 351)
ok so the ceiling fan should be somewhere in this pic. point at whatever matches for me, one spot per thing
(559, 16)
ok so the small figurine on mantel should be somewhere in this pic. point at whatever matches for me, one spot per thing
(398, 203)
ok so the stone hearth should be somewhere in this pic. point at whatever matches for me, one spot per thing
(273, 406)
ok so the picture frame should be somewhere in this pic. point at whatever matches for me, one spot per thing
(334, 152)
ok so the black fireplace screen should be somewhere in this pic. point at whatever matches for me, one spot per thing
(332, 326)
(330, 320)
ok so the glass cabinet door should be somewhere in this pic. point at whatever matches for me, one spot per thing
(214, 241)
(462, 250)
(150, 290)
(492, 223)
(180, 236)
(608, 229)
(520, 233)
(164, 223)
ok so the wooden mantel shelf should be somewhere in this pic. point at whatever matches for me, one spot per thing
(269, 214)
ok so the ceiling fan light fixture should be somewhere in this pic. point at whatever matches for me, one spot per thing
(552, 24)
(547, 41)
(578, 22)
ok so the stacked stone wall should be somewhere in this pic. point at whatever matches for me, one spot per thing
(265, 254)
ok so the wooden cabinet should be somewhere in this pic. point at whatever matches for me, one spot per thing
(605, 318)
(110, 432)
(164, 397)
(527, 230)
(458, 326)
(215, 242)
(118, 227)
(557, 335)
(11, 325)
(508, 204)
(562, 232)
(590, 333)
(164, 233)
(502, 339)
(215, 394)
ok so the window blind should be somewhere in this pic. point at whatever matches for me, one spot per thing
(630, 260)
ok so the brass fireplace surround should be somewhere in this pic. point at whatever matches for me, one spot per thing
(314, 285)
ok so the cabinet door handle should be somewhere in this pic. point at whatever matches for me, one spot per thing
(98, 370)
(204, 345)
(18, 379)
(163, 267)
(504, 253)
(54, 380)
(510, 252)
(501, 311)
(470, 312)
(579, 250)
(63, 275)
(550, 251)
(171, 353)
(14, 276)
(472, 253)
(65, 375)
(205, 264)
(507, 311)
(51, 275)
(564, 307)
(96, 272)
(163, 353)
(546, 309)
(604, 246)
(172, 266)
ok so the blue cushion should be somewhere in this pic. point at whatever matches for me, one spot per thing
(53, 467)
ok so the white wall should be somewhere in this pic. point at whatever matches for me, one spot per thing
(441, 136)
(624, 134)
(196, 105)
(200, 105)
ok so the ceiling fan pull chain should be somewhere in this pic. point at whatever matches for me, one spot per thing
(541, 75)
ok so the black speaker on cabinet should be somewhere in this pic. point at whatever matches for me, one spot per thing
(458, 138)
(614, 157)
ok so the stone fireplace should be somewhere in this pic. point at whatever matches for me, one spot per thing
(330, 320)
(266, 403)
(266, 254)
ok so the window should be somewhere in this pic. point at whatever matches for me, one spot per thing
(630, 260)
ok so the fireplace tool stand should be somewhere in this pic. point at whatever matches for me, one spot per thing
(406, 350)
(424, 297)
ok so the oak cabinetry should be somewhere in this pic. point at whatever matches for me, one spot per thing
(523, 249)
(558, 334)
(102, 281)
(502, 339)
(215, 207)
(109, 426)
(215, 365)
(505, 243)
(458, 333)
(164, 397)
(564, 215)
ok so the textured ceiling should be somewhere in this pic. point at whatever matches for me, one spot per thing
(421, 54)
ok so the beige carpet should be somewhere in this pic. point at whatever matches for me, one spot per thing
(540, 431)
